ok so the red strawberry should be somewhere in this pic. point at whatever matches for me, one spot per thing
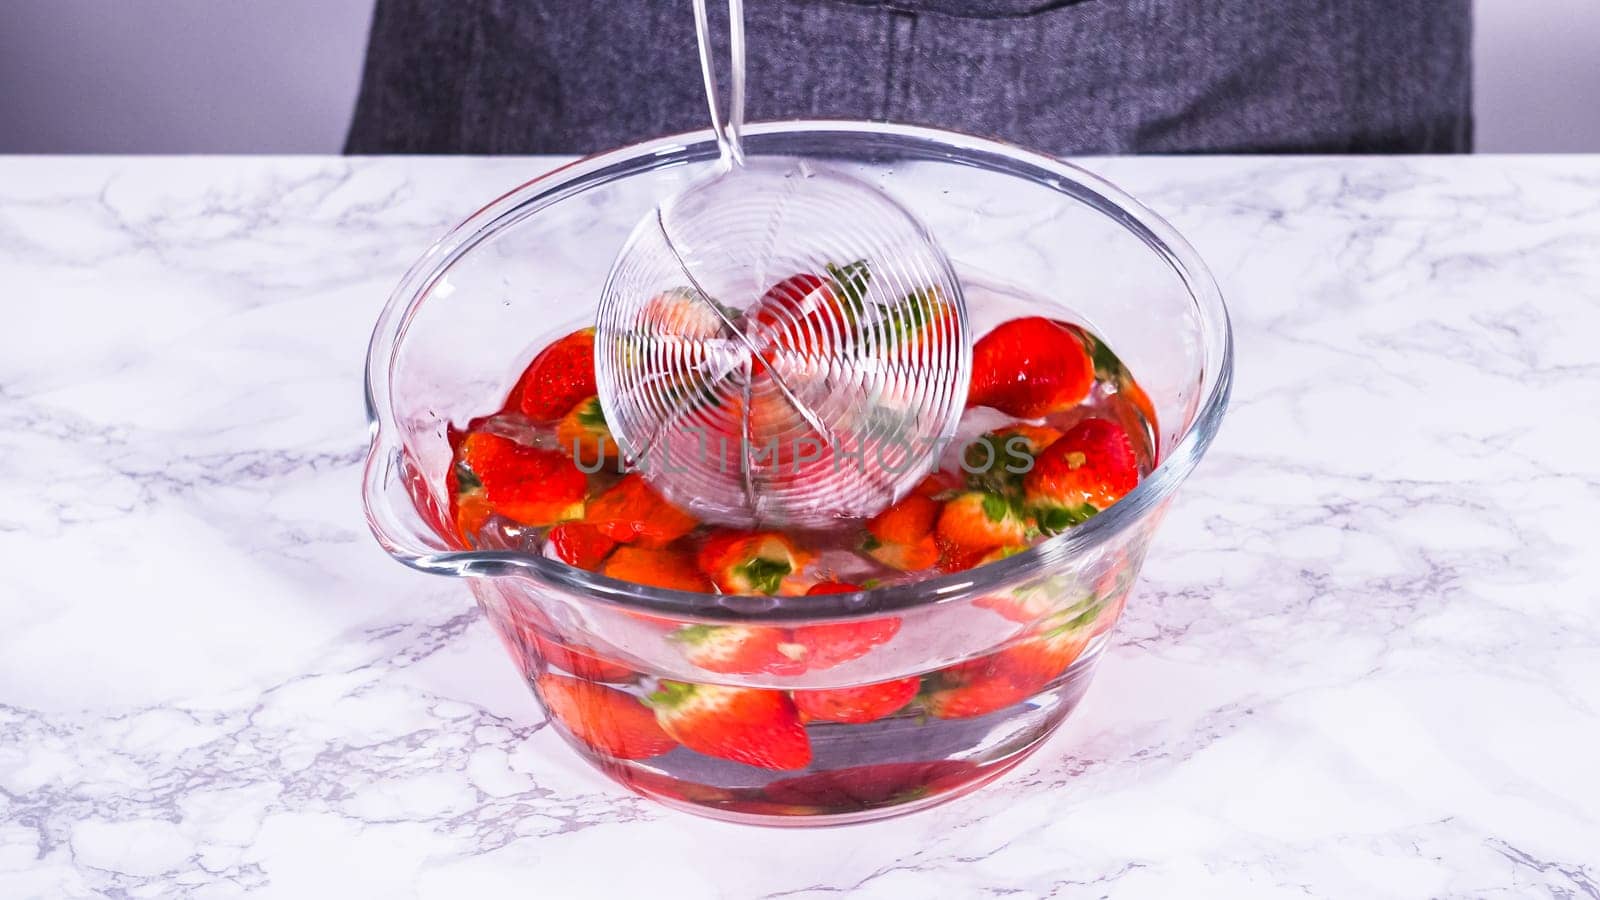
(1109, 369)
(957, 559)
(997, 461)
(608, 720)
(750, 562)
(1117, 577)
(976, 522)
(832, 587)
(1112, 612)
(1088, 469)
(632, 512)
(833, 643)
(855, 705)
(655, 568)
(901, 536)
(469, 508)
(525, 484)
(938, 486)
(791, 299)
(1030, 368)
(806, 312)
(829, 645)
(682, 312)
(747, 725)
(919, 318)
(583, 433)
(799, 313)
(1032, 439)
(740, 649)
(981, 686)
(976, 687)
(875, 785)
(1000, 553)
(954, 559)
(577, 544)
(472, 513)
(1036, 661)
(580, 661)
(1021, 605)
(560, 376)
(914, 557)
(905, 522)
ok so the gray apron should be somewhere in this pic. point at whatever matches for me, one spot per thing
(1086, 77)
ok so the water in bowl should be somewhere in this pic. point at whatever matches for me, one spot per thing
(826, 722)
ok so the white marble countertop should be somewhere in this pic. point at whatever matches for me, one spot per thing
(1363, 661)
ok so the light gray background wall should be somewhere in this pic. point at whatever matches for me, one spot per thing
(253, 76)
(179, 76)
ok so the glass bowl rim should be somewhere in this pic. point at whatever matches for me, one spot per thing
(585, 173)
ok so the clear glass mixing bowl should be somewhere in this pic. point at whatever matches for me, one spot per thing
(530, 266)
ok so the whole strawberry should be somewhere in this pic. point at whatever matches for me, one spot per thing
(1024, 603)
(747, 725)
(1030, 368)
(607, 720)
(740, 649)
(750, 562)
(578, 544)
(560, 376)
(974, 688)
(1091, 467)
(631, 512)
(580, 661)
(976, 522)
(902, 535)
(805, 312)
(529, 485)
(997, 461)
(829, 644)
(682, 312)
(583, 434)
(981, 686)
(1035, 661)
(921, 319)
(656, 568)
(469, 508)
(856, 705)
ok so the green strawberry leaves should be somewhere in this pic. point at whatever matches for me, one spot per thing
(908, 317)
(1054, 520)
(466, 480)
(765, 575)
(669, 694)
(592, 415)
(850, 286)
(995, 507)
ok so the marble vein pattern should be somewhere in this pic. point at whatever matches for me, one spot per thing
(1363, 660)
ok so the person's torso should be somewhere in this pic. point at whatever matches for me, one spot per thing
(1093, 76)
